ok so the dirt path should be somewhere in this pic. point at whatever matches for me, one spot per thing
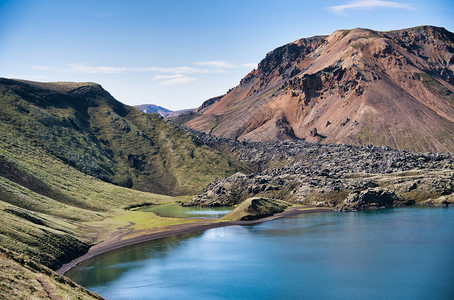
(47, 287)
(116, 242)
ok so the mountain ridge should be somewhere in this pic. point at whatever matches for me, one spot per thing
(164, 112)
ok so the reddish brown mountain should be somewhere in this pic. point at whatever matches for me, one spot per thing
(355, 86)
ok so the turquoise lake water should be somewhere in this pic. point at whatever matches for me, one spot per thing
(177, 211)
(405, 253)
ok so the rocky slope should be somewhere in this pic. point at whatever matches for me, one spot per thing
(354, 86)
(193, 113)
(344, 176)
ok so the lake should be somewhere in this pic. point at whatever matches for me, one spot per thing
(403, 253)
(191, 212)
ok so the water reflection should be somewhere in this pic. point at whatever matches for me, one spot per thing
(108, 267)
(177, 211)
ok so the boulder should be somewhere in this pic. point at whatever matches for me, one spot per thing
(372, 198)
(443, 201)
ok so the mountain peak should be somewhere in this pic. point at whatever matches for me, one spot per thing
(153, 108)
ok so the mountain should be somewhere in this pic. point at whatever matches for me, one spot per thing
(84, 126)
(355, 86)
(166, 113)
(179, 112)
(152, 108)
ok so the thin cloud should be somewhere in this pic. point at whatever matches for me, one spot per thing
(249, 65)
(177, 79)
(166, 76)
(367, 4)
(41, 68)
(216, 64)
(176, 70)
(222, 64)
(78, 68)
(173, 76)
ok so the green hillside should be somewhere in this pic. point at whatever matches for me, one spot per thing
(256, 208)
(85, 127)
(71, 159)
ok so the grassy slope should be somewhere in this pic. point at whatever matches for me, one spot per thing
(82, 125)
(22, 278)
(51, 231)
(60, 146)
(255, 208)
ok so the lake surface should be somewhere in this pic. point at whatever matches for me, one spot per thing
(177, 211)
(405, 253)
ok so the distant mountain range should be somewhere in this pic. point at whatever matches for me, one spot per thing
(166, 113)
(355, 86)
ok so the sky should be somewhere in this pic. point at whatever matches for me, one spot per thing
(178, 53)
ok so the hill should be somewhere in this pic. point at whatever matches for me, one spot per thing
(256, 208)
(86, 128)
(355, 86)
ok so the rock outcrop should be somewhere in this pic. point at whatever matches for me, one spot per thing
(372, 198)
(443, 201)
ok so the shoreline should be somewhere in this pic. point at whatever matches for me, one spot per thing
(114, 243)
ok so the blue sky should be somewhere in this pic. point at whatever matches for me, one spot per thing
(178, 53)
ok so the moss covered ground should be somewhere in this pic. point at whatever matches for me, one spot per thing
(256, 208)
